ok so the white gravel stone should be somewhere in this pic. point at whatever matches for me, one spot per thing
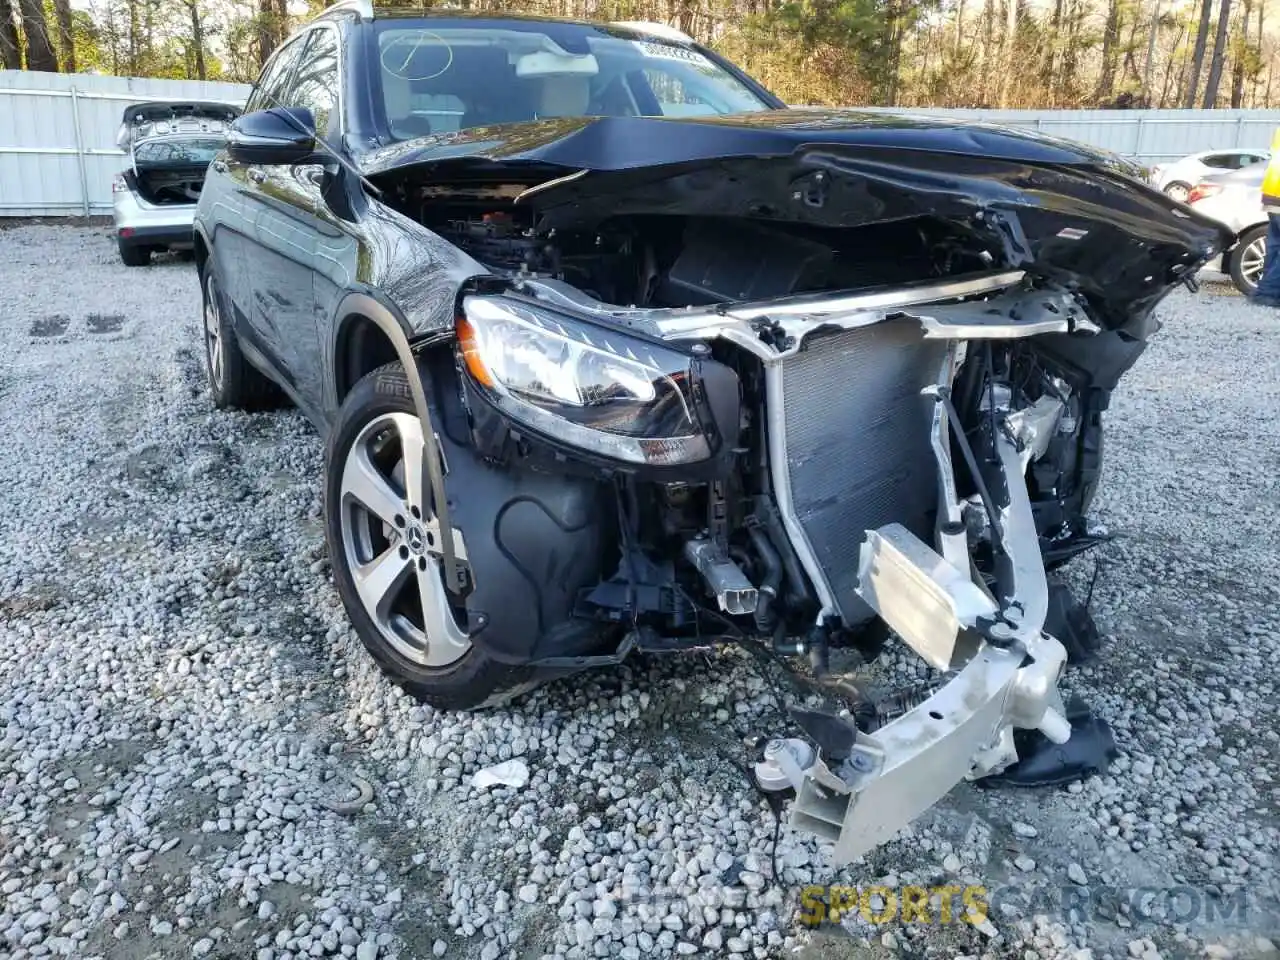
(178, 676)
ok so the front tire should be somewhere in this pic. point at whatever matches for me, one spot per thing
(133, 255)
(381, 539)
(1247, 259)
(1178, 191)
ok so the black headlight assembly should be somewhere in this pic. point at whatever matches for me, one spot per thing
(610, 398)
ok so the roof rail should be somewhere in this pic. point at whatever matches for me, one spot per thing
(361, 8)
(660, 30)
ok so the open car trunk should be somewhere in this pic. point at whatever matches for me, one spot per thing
(170, 146)
(163, 186)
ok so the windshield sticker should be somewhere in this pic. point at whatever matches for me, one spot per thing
(666, 51)
(418, 56)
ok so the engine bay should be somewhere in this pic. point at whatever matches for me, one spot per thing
(673, 260)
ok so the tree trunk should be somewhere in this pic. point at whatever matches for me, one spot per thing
(1110, 46)
(10, 45)
(1167, 88)
(66, 36)
(1239, 58)
(266, 31)
(1070, 55)
(148, 33)
(1197, 56)
(36, 30)
(1049, 65)
(1009, 52)
(988, 32)
(1219, 53)
(197, 40)
(134, 30)
(1151, 47)
(1262, 11)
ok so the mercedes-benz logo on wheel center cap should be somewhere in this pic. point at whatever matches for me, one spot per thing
(415, 538)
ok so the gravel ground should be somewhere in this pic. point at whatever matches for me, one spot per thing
(185, 717)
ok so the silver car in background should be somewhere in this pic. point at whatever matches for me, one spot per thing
(1236, 199)
(1177, 178)
(170, 146)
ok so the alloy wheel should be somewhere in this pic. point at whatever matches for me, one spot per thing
(1178, 192)
(391, 542)
(1252, 259)
(213, 332)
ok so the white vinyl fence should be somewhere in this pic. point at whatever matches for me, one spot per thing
(58, 150)
(58, 153)
(1147, 136)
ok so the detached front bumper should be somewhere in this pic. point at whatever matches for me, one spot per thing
(1003, 668)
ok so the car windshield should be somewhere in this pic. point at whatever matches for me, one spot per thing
(443, 76)
(193, 152)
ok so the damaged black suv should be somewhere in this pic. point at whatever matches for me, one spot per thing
(614, 352)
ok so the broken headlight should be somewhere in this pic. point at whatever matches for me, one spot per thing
(618, 396)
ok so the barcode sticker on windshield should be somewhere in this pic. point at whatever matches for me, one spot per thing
(666, 51)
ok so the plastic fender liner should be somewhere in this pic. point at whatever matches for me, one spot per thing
(534, 540)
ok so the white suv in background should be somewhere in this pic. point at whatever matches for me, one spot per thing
(170, 146)
(1176, 179)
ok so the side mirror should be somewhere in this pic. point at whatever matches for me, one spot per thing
(276, 136)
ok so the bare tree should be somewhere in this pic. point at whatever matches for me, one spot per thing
(1013, 53)
(1048, 65)
(10, 44)
(1197, 57)
(36, 30)
(197, 39)
(269, 30)
(135, 31)
(1110, 49)
(1239, 57)
(1151, 47)
(66, 36)
(1219, 54)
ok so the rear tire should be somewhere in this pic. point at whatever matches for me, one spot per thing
(370, 520)
(134, 255)
(234, 382)
(1247, 259)
(1177, 191)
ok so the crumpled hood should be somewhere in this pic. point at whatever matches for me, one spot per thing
(1080, 217)
(625, 143)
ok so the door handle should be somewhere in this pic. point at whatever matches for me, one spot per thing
(219, 166)
(257, 174)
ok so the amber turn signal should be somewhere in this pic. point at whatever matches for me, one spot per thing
(471, 352)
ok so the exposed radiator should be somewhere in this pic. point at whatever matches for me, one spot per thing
(857, 443)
